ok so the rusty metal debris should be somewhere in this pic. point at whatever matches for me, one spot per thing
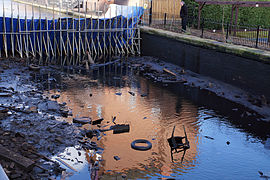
(176, 142)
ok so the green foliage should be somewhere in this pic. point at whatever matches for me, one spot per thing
(246, 16)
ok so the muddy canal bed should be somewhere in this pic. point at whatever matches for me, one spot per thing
(227, 139)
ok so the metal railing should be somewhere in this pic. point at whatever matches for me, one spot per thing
(115, 33)
(255, 36)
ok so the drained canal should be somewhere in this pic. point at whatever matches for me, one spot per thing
(227, 140)
(224, 142)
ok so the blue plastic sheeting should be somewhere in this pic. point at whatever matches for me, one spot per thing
(67, 25)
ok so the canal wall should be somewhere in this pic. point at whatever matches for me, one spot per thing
(243, 67)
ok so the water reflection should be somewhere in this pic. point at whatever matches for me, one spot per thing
(152, 117)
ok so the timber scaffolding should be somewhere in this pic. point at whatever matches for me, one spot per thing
(100, 37)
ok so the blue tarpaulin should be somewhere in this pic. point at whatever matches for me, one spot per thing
(70, 27)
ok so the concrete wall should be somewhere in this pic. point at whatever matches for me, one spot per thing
(248, 74)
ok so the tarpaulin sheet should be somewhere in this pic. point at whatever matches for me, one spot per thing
(69, 27)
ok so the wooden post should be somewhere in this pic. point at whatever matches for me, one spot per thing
(231, 22)
(199, 14)
(202, 27)
(227, 31)
(165, 17)
(235, 20)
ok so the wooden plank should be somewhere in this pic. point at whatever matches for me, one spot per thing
(169, 72)
(22, 161)
(66, 164)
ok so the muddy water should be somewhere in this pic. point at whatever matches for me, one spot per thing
(152, 117)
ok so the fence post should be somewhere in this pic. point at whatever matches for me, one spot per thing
(165, 18)
(150, 13)
(193, 15)
(257, 38)
(227, 32)
(202, 27)
(269, 35)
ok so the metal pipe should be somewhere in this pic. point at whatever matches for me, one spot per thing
(4, 29)
(26, 35)
(11, 29)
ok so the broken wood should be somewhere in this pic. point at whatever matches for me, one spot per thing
(5, 94)
(66, 164)
(120, 128)
(22, 161)
(90, 59)
(169, 72)
(42, 156)
(82, 120)
(132, 93)
(97, 121)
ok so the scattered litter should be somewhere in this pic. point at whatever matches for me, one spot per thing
(22, 161)
(34, 67)
(97, 121)
(113, 119)
(144, 95)
(176, 142)
(263, 175)
(118, 94)
(132, 93)
(145, 118)
(208, 137)
(124, 176)
(120, 128)
(169, 72)
(141, 148)
(116, 158)
(5, 94)
(82, 120)
(209, 117)
(55, 96)
(66, 164)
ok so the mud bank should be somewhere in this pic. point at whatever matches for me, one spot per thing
(167, 73)
(245, 72)
(33, 123)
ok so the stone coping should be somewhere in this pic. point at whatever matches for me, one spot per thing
(243, 51)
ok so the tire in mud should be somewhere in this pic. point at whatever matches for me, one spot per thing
(34, 67)
(141, 148)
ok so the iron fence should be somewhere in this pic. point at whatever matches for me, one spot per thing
(255, 36)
